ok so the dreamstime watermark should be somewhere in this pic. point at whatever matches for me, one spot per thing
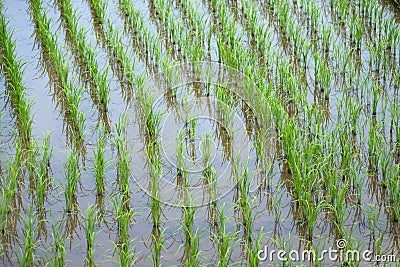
(340, 253)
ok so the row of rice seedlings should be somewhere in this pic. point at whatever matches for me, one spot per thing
(90, 235)
(136, 40)
(152, 128)
(246, 204)
(72, 174)
(200, 23)
(189, 42)
(386, 33)
(86, 59)
(301, 50)
(196, 21)
(12, 68)
(155, 173)
(121, 63)
(67, 94)
(137, 25)
(124, 213)
(161, 20)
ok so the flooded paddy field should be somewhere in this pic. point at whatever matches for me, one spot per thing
(199, 133)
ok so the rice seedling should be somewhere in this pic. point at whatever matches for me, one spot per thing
(192, 238)
(43, 174)
(90, 234)
(124, 217)
(100, 165)
(58, 247)
(27, 257)
(158, 247)
(123, 157)
(224, 240)
(72, 174)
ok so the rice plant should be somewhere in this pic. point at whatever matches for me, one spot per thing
(124, 217)
(90, 234)
(72, 174)
(27, 257)
(224, 240)
(100, 165)
(58, 247)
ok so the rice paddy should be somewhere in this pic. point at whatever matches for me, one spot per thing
(199, 133)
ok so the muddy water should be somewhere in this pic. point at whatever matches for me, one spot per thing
(47, 118)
